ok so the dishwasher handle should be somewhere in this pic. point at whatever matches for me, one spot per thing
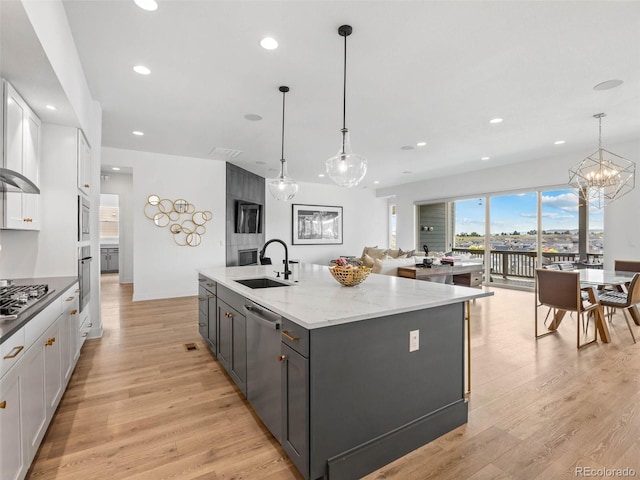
(264, 317)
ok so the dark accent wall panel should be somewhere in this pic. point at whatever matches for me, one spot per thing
(433, 215)
(244, 186)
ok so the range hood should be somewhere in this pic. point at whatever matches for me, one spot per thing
(11, 181)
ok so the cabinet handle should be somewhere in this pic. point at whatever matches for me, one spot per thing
(211, 284)
(202, 324)
(201, 280)
(49, 342)
(70, 299)
(85, 334)
(202, 299)
(86, 185)
(14, 352)
(281, 358)
(3, 404)
(90, 325)
(228, 314)
(73, 312)
(77, 290)
(286, 335)
(27, 219)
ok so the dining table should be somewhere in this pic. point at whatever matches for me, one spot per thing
(599, 278)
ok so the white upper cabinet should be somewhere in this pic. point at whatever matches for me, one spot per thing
(84, 164)
(21, 154)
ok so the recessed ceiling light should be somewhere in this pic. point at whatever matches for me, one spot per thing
(149, 5)
(421, 144)
(558, 142)
(407, 172)
(406, 147)
(261, 163)
(608, 85)
(495, 120)
(485, 158)
(138, 133)
(272, 170)
(376, 181)
(141, 69)
(253, 117)
(321, 175)
(50, 107)
(115, 168)
(269, 43)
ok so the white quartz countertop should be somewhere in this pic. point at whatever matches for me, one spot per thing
(318, 300)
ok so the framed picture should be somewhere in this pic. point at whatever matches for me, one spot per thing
(317, 225)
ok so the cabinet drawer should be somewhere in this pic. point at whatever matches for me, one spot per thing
(476, 279)
(84, 329)
(204, 296)
(11, 351)
(70, 298)
(295, 336)
(233, 299)
(42, 321)
(207, 283)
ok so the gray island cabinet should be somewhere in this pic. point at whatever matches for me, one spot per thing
(357, 389)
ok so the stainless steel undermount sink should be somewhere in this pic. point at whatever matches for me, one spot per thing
(264, 282)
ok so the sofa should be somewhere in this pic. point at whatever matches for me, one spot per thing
(386, 260)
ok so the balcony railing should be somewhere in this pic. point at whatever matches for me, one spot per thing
(522, 264)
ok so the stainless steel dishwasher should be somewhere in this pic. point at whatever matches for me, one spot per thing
(263, 367)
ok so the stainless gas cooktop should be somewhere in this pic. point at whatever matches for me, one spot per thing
(16, 298)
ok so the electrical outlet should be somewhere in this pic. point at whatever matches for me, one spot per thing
(414, 340)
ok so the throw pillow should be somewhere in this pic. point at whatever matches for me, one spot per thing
(407, 254)
(394, 253)
(365, 251)
(377, 252)
(367, 261)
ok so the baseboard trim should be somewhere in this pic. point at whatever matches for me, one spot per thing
(374, 454)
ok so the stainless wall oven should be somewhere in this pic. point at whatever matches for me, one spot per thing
(84, 209)
(84, 275)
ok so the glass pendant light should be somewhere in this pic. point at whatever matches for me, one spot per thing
(346, 169)
(284, 187)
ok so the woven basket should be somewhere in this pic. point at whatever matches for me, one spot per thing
(349, 275)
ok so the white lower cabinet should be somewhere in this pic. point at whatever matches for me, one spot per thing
(13, 464)
(32, 398)
(33, 381)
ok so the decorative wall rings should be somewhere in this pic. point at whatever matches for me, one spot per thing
(186, 231)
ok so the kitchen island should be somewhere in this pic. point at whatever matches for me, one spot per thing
(367, 374)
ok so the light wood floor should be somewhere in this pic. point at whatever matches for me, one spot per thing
(140, 406)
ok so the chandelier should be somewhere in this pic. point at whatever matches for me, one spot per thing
(284, 187)
(346, 169)
(603, 176)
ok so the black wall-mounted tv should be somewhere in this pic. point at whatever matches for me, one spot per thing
(248, 217)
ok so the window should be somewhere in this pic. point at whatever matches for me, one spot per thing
(392, 226)
(109, 218)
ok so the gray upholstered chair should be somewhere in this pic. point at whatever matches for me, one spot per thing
(560, 291)
(623, 300)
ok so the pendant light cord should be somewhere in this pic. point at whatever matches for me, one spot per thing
(344, 87)
(282, 154)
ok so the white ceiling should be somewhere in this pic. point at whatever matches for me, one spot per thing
(417, 70)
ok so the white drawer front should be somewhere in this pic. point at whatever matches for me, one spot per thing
(42, 321)
(12, 350)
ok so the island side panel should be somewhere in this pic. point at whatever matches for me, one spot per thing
(364, 384)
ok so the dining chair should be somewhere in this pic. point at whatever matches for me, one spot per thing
(626, 266)
(560, 291)
(623, 300)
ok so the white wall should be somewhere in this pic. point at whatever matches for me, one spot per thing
(162, 269)
(52, 250)
(365, 222)
(621, 228)
(122, 185)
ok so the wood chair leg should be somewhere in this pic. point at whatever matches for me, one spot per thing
(624, 312)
